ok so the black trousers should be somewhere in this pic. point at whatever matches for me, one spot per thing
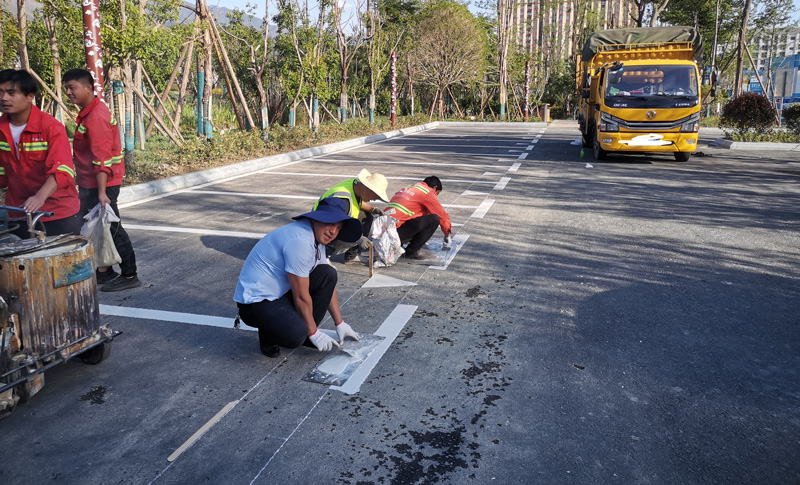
(278, 321)
(337, 247)
(417, 231)
(67, 225)
(121, 239)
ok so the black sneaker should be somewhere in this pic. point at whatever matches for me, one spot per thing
(122, 283)
(420, 255)
(105, 276)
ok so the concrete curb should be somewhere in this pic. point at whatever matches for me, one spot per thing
(750, 145)
(157, 187)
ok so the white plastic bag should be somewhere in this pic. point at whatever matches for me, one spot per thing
(385, 241)
(97, 229)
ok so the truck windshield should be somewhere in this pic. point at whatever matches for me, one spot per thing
(654, 86)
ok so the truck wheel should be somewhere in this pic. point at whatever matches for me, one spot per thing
(98, 354)
(599, 153)
(682, 156)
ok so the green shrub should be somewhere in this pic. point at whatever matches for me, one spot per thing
(791, 116)
(749, 113)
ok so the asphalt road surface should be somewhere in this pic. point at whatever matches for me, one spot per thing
(627, 321)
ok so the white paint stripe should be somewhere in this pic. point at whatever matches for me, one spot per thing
(383, 281)
(514, 167)
(523, 156)
(533, 142)
(522, 143)
(350, 175)
(200, 432)
(538, 136)
(164, 316)
(515, 151)
(502, 183)
(468, 193)
(482, 209)
(458, 241)
(541, 131)
(189, 230)
(491, 174)
(458, 206)
(387, 162)
(390, 329)
(414, 145)
(530, 147)
(247, 194)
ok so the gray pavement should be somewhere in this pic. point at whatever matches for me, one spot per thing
(626, 321)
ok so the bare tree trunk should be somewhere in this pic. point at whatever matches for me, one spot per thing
(127, 91)
(737, 87)
(49, 23)
(22, 25)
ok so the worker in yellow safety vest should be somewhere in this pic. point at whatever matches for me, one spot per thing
(358, 191)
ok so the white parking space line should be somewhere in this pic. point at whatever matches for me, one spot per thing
(350, 175)
(530, 147)
(482, 209)
(514, 167)
(459, 206)
(523, 156)
(501, 184)
(415, 145)
(388, 162)
(389, 329)
(468, 193)
(533, 142)
(250, 194)
(188, 230)
(165, 316)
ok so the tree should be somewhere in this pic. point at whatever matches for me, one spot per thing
(451, 49)
(347, 46)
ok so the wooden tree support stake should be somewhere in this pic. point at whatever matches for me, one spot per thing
(51, 93)
(165, 95)
(157, 117)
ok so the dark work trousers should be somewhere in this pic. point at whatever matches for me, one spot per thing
(121, 240)
(278, 321)
(417, 231)
(67, 225)
(337, 247)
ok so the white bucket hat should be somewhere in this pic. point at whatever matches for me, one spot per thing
(374, 182)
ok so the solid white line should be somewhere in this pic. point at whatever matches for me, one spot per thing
(247, 194)
(472, 193)
(386, 162)
(413, 145)
(458, 206)
(512, 151)
(482, 209)
(200, 432)
(530, 147)
(350, 175)
(501, 184)
(389, 329)
(188, 230)
(514, 167)
(523, 156)
(458, 240)
(164, 316)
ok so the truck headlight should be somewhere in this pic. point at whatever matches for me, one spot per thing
(609, 126)
(692, 126)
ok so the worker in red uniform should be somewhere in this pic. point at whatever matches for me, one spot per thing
(418, 213)
(35, 159)
(97, 152)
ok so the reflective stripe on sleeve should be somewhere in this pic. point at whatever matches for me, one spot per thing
(67, 170)
(401, 208)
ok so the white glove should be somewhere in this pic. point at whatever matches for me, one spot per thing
(322, 341)
(364, 242)
(447, 244)
(344, 330)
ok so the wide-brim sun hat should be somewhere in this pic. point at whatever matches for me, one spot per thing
(374, 182)
(334, 209)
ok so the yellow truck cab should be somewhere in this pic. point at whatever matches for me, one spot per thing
(640, 91)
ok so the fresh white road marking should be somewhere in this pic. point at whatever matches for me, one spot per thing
(189, 230)
(248, 194)
(164, 316)
(482, 209)
(350, 175)
(530, 147)
(458, 242)
(523, 156)
(383, 281)
(388, 162)
(514, 167)
(200, 432)
(468, 193)
(533, 142)
(389, 329)
(501, 184)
